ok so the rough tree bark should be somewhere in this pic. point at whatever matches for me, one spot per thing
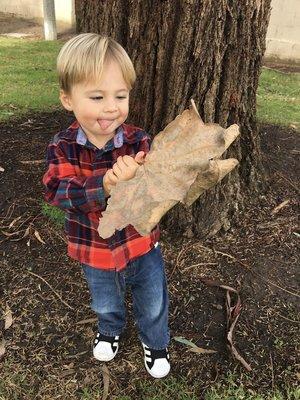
(208, 50)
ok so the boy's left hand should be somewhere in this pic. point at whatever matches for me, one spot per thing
(125, 168)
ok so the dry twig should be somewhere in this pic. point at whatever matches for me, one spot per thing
(54, 291)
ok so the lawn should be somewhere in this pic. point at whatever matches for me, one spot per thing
(28, 82)
(27, 76)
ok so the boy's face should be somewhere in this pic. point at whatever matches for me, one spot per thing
(100, 107)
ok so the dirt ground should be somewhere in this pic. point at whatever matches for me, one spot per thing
(14, 26)
(49, 342)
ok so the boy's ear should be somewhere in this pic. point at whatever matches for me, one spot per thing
(65, 99)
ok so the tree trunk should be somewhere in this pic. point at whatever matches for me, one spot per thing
(209, 50)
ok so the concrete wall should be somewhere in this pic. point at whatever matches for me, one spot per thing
(33, 9)
(283, 37)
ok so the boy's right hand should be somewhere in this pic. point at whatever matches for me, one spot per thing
(124, 169)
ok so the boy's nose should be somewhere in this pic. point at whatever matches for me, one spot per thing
(110, 106)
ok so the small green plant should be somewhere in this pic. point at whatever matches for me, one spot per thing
(54, 214)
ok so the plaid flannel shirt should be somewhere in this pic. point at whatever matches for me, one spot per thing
(74, 183)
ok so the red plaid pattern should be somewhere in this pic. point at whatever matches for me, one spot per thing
(74, 183)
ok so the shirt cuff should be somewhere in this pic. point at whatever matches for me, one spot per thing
(94, 191)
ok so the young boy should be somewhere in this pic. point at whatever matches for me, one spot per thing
(84, 162)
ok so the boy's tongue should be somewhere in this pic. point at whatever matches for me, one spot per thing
(104, 123)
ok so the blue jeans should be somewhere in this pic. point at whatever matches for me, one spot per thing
(147, 279)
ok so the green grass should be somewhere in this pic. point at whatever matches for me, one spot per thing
(27, 76)
(54, 214)
(278, 98)
(28, 82)
(167, 389)
(231, 388)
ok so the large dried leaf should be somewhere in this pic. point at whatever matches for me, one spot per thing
(183, 162)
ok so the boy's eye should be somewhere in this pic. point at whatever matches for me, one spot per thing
(96, 98)
(121, 97)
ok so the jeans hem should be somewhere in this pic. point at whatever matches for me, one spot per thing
(106, 333)
(155, 347)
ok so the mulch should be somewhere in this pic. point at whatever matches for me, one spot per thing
(48, 344)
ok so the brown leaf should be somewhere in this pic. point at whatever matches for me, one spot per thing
(200, 350)
(2, 349)
(37, 235)
(8, 318)
(67, 373)
(184, 161)
(86, 321)
(280, 206)
(13, 222)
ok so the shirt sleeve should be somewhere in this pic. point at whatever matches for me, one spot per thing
(144, 144)
(69, 191)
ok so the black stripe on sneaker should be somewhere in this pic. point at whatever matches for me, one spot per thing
(151, 355)
(113, 340)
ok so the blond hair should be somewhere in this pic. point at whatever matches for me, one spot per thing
(81, 59)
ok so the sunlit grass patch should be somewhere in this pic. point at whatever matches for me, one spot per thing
(27, 76)
(278, 98)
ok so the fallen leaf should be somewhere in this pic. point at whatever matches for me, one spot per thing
(13, 222)
(67, 372)
(86, 321)
(183, 340)
(8, 318)
(201, 350)
(2, 348)
(294, 126)
(280, 206)
(195, 348)
(37, 235)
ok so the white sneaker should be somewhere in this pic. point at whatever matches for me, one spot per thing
(157, 362)
(105, 347)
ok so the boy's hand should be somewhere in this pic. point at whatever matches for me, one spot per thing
(124, 169)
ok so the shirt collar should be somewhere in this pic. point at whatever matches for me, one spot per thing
(117, 141)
